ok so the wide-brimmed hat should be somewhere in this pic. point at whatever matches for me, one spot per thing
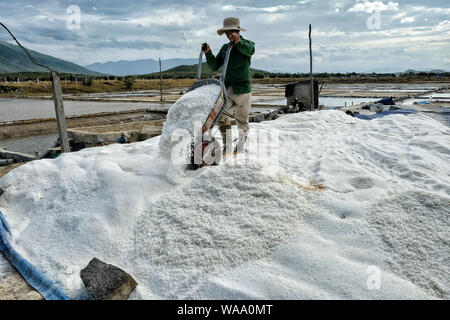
(231, 23)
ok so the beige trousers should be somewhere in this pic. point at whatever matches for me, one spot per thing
(238, 105)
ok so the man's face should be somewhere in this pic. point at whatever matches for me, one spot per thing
(230, 34)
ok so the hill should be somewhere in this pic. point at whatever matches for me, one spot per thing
(13, 59)
(125, 68)
(190, 71)
(434, 71)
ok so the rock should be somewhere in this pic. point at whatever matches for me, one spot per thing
(256, 117)
(107, 282)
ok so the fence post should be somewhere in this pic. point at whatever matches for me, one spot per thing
(160, 80)
(59, 110)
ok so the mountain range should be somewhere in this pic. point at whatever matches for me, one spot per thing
(144, 66)
(13, 59)
(190, 71)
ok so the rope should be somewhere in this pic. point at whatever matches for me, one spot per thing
(25, 49)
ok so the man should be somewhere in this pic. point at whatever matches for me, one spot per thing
(237, 80)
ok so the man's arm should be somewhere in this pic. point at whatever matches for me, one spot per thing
(246, 47)
(214, 62)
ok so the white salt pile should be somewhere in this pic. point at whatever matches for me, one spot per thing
(191, 109)
(415, 227)
(354, 209)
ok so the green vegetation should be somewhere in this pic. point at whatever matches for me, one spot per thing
(130, 83)
(88, 81)
(183, 77)
(190, 72)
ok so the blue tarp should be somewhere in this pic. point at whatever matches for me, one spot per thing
(38, 280)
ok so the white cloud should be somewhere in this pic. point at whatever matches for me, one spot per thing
(257, 9)
(330, 34)
(423, 9)
(407, 20)
(442, 26)
(165, 18)
(370, 7)
(399, 15)
(280, 30)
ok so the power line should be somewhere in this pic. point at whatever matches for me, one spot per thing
(25, 49)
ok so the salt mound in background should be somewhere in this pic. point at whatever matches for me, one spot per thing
(192, 107)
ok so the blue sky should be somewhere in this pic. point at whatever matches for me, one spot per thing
(348, 35)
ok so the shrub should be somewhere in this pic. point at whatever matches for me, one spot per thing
(88, 81)
(130, 82)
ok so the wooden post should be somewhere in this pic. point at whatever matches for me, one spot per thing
(59, 110)
(311, 71)
(160, 80)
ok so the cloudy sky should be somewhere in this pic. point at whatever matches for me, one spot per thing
(348, 35)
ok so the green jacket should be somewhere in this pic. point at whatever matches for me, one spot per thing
(238, 73)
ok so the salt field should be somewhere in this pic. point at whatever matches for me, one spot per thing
(30, 145)
(22, 109)
(325, 101)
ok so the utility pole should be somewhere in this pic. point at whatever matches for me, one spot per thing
(160, 80)
(59, 110)
(311, 71)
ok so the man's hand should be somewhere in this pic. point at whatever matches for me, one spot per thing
(206, 48)
(235, 37)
